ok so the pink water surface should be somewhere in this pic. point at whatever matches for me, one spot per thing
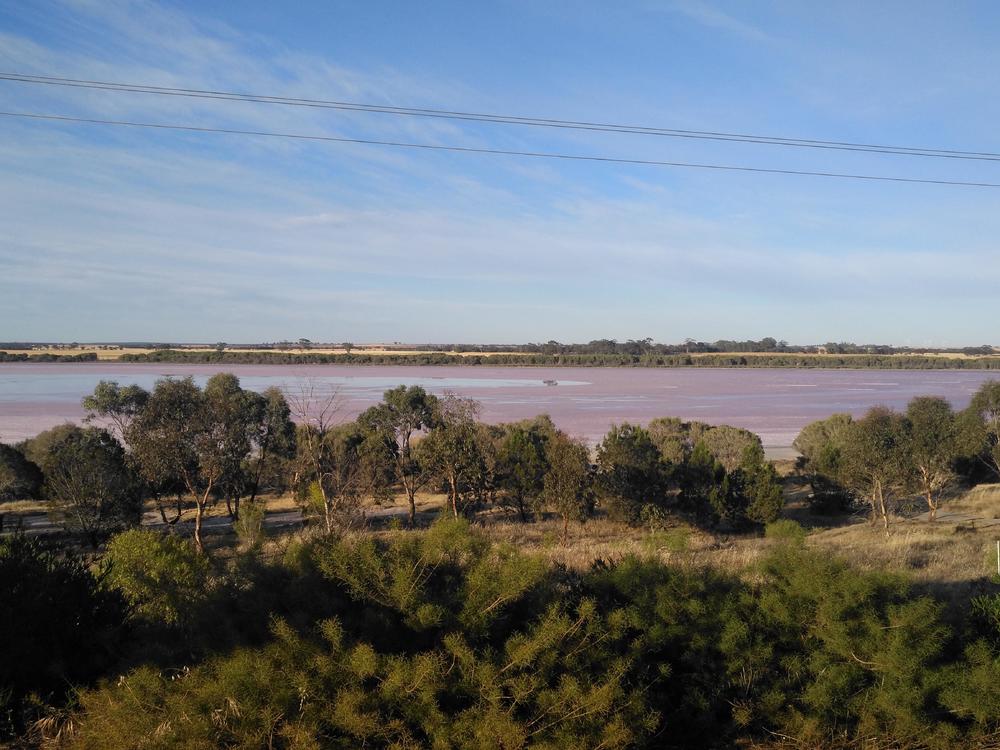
(775, 403)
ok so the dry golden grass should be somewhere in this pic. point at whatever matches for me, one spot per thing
(952, 554)
(928, 552)
(23, 507)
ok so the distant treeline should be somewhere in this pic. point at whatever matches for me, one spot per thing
(690, 346)
(47, 357)
(805, 361)
(630, 347)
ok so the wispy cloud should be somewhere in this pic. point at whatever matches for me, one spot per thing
(714, 18)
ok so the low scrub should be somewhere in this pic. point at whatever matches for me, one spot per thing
(442, 639)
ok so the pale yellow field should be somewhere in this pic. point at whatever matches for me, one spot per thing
(110, 354)
(951, 553)
(102, 353)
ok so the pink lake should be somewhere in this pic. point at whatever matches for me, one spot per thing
(775, 403)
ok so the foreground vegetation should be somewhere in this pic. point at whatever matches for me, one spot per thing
(351, 635)
(440, 638)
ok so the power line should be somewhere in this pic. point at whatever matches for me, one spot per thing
(494, 151)
(503, 119)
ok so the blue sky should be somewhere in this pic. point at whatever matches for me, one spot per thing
(123, 234)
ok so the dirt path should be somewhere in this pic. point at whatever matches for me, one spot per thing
(35, 524)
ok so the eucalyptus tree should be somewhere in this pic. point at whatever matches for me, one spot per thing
(676, 438)
(522, 464)
(821, 445)
(729, 445)
(20, 479)
(261, 425)
(758, 486)
(162, 439)
(485, 479)
(172, 443)
(404, 413)
(875, 461)
(568, 481)
(118, 405)
(196, 438)
(818, 438)
(672, 437)
(338, 467)
(316, 411)
(704, 486)
(451, 450)
(985, 412)
(89, 487)
(273, 437)
(234, 419)
(934, 445)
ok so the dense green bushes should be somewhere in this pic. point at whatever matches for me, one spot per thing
(441, 639)
(89, 487)
(716, 477)
(47, 357)
(163, 578)
(20, 479)
(58, 627)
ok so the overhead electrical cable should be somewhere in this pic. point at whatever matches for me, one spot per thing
(493, 151)
(503, 119)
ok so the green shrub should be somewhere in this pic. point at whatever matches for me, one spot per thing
(860, 652)
(57, 629)
(442, 639)
(984, 616)
(446, 577)
(162, 577)
(20, 479)
(785, 530)
(671, 540)
(250, 526)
